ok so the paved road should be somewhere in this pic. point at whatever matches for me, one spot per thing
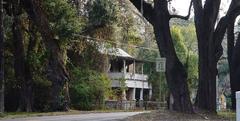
(81, 117)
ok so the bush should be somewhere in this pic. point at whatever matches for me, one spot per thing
(88, 89)
(81, 97)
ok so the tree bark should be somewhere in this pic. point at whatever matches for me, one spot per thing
(231, 39)
(210, 48)
(32, 48)
(176, 74)
(1, 58)
(56, 71)
(233, 56)
(235, 71)
(20, 60)
(18, 57)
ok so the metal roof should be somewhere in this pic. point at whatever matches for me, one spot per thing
(118, 52)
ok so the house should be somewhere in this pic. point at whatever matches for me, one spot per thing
(126, 73)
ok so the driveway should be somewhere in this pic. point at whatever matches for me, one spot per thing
(116, 116)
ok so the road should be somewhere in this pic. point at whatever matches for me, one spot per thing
(117, 116)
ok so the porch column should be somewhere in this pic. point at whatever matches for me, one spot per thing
(133, 94)
(141, 94)
(124, 95)
(142, 68)
(150, 94)
(124, 67)
(134, 66)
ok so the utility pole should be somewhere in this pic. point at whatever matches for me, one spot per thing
(160, 68)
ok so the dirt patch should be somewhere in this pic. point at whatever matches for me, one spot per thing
(165, 115)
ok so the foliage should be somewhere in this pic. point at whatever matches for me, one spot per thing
(89, 86)
(157, 79)
(65, 24)
(159, 85)
(101, 12)
(189, 34)
(178, 43)
(192, 69)
(63, 19)
(128, 31)
(185, 45)
(88, 89)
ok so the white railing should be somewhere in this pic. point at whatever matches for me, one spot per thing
(141, 77)
(132, 84)
(116, 75)
(129, 76)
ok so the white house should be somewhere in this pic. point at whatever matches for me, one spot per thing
(123, 66)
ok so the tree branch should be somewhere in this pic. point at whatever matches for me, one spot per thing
(219, 35)
(211, 11)
(225, 23)
(230, 40)
(184, 17)
(147, 9)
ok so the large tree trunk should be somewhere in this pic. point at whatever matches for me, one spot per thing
(206, 95)
(233, 59)
(19, 57)
(234, 51)
(210, 49)
(176, 74)
(208, 46)
(235, 72)
(20, 61)
(32, 48)
(56, 71)
(1, 58)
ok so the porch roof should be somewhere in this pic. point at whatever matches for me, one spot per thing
(119, 53)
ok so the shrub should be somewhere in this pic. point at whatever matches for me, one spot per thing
(88, 89)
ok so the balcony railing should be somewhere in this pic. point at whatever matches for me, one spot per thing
(128, 76)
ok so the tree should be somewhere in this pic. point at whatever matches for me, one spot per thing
(19, 58)
(176, 74)
(56, 71)
(127, 31)
(210, 38)
(1, 58)
(38, 52)
(233, 51)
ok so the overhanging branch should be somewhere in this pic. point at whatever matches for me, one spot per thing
(184, 17)
(147, 9)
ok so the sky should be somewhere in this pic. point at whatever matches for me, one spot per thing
(182, 6)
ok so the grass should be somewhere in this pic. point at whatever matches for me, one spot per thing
(34, 114)
(228, 114)
(13, 115)
(166, 115)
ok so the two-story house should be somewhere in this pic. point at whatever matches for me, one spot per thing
(125, 70)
